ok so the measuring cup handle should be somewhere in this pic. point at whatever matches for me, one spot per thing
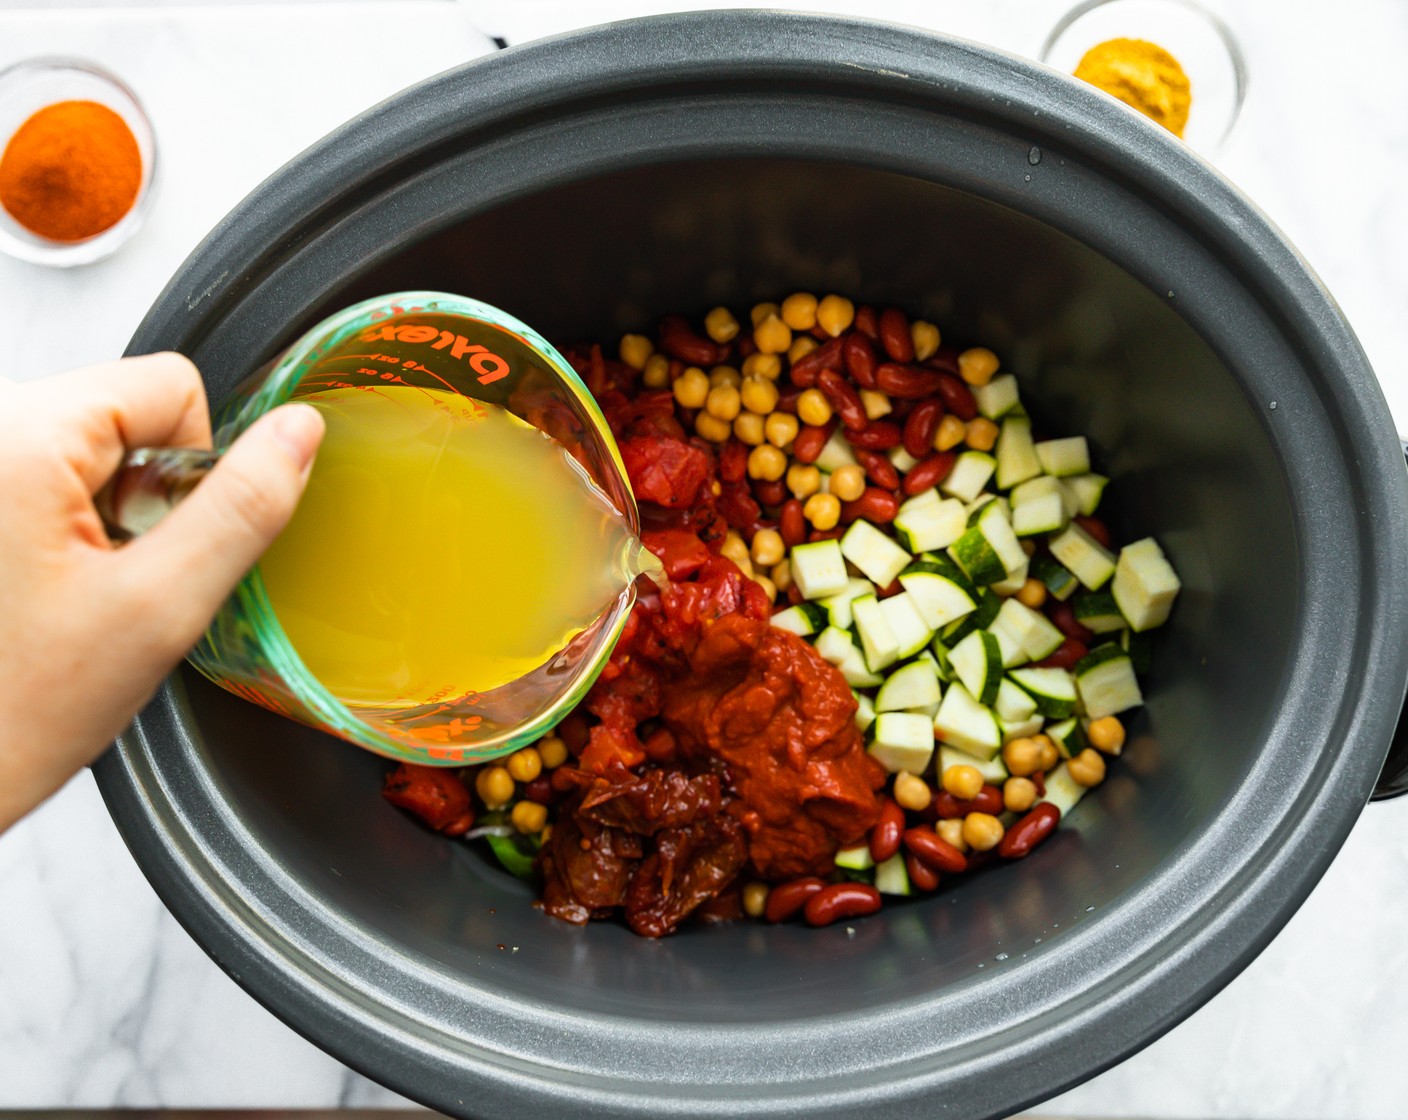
(147, 486)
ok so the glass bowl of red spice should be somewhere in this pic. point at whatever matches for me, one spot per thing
(77, 162)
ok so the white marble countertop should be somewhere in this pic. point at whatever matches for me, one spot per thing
(104, 1000)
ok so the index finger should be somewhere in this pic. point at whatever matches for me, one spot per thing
(106, 410)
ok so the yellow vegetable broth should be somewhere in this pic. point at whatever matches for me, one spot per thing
(443, 547)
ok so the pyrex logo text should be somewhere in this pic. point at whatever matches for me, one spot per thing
(487, 365)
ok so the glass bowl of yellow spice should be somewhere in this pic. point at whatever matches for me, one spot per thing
(77, 162)
(1174, 61)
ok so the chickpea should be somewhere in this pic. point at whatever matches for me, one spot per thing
(525, 765)
(712, 428)
(656, 374)
(782, 574)
(723, 402)
(799, 311)
(848, 483)
(875, 403)
(768, 548)
(803, 480)
(1032, 594)
(766, 366)
(1018, 794)
(981, 434)
(759, 395)
(1087, 768)
(835, 314)
(983, 831)
(755, 898)
(529, 817)
(964, 782)
(780, 428)
(823, 511)
(951, 432)
(748, 427)
(769, 588)
(767, 463)
(495, 787)
(692, 388)
(724, 375)
(925, 337)
(720, 325)
(912, 793)
(802, 345)
(952, 831)
(636, 350)
(736, 549)
(761, 311)
(772, 336)
(553, 752)
(1106, 734)
(1022, 757)
(1048, 756)
(813, 408)
(976, 366)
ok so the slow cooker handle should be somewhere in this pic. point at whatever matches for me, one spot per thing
(1393, 779)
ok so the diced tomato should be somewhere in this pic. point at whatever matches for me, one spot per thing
(664, 470)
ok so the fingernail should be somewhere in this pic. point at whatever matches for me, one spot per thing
(299, 427)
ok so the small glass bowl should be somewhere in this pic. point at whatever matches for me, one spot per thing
(1202, 43)
(29, 86)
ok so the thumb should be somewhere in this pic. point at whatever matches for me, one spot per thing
(207, 543)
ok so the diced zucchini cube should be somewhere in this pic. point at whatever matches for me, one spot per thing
(914, 685)
(836, 453)
(993, 770)
(906, 623)
(902, 741)
(834, 645)
(1085, 491)
(977, 662)
(856, 672)
(1013, 583)
(938, 598)
(1029, 631)
(1069, 737)
(838, 606)
(1013, 705)
(819, 569)
(1097, 612)
(892, 877)
(877, 640)
(1016, 454)
(1107, 682)
(803, 620)
(1145, 584)
(971, 471)
(856, 858)
(1063, 457)
(964, 723)
(865, 710)
(1046, 514)
(878, 557)
(1091, 562)
(998, 397)
(1054, 690)
(928, 522)
(1063, 791)
(1060, 581)
(1023, 730)
(902, 460)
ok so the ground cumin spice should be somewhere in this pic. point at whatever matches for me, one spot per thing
(71, 171)
(1142, 75)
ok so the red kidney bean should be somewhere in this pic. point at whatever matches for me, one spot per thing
(844, 399)
(931, 848)
(1039, 780)
(787, 398)
(920, 427)
(957, 397)
(792, 524)
(1095, 527)
(878, 435)
(860, 359)
(1030, 831)
(841, 900)
(944, 358)
(894, 587)
(929, 472)
(946, 807)
(868, 322)
(920, 873)
(878, 468)
(733, 461)
(787, 899)
(1067, 654)
(770, 493)
(574, 732)
(826, 535)
(895, 336)
(908, 382)
(826, 356)
(885, 833)
(1063, 617)
(737, 506)
(875, 505)
(678, 340)
(539, 789)
(794, 596)
(810, 440)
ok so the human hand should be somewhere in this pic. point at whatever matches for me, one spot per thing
(88, 630)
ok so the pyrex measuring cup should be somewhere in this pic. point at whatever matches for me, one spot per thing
(433, 341)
